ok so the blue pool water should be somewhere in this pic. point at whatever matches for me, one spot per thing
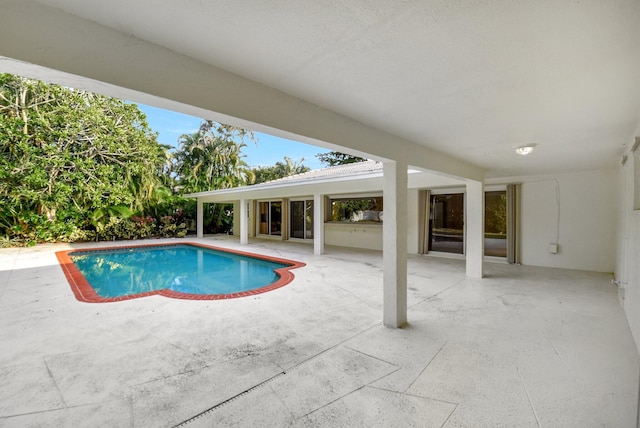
(182, 268)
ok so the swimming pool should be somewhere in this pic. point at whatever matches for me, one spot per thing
(182, 271)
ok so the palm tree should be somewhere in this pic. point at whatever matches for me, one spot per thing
(212, 159)
(291, 167)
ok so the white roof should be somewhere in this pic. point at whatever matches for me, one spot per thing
(349, 169)
(339, 173)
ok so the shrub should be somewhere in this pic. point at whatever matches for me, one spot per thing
(82, 235)
(146, 226)
(126, 228)
(173, 226)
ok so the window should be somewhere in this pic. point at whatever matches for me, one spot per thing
(301, 219)
(270, 221)
(495, 223)
(357, 210)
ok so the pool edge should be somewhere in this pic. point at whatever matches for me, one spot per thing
(84, 292)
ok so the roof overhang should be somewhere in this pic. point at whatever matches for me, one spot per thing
(336, 185)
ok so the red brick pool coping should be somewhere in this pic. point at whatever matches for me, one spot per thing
(84, 292)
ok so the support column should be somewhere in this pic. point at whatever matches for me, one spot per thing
(244, 222)
(318, 224)
(475, 229)
(200, 219)
(394, 238)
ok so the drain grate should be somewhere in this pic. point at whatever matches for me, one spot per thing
(228, 400)
(253, 388)
(271, 379)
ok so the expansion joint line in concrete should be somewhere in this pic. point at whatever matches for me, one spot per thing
(265, 382)
(253, 388)
(55, 383)
(433, 296)
(425, 367)
(526, 390)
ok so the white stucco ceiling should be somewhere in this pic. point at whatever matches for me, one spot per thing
(472, 79)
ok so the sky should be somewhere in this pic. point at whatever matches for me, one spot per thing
(268, 150)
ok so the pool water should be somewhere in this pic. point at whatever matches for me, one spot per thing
(184, 269)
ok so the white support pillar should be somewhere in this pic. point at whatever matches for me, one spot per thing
(394, 237)
(318, 224)
(200, 219)
(475, 229)
(244, 222)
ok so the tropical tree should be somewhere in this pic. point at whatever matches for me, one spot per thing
(65, 153)
(212, 158)
(337, 158)
(281, 169)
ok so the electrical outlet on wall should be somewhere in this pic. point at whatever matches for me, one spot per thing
(553, 248)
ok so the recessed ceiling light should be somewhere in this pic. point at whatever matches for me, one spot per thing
(524, 150)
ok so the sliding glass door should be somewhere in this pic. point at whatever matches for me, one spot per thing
(270, 222)
(446, 223)
(301, 219)
(445, 230)
(495, 223)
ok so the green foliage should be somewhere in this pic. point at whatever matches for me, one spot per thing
(76, 166)
(82, 235)
(65, 153)
(145, 226)
(495, 221)
(357, 209)
(105, 214)
(116, 228)
(279, 170)
(212, 158)
(218, 218)
(173, 226)
(337, 158)
(138, 227)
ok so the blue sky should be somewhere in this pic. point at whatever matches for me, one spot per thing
(266, 152)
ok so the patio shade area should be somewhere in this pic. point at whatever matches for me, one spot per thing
(524, 346)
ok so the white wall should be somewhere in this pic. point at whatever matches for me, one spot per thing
(628, 249)
(586, 228)
(353, 235)
(585, 233)
(251, 225)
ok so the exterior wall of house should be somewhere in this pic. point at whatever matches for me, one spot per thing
(251, 224)
(577, 211)
(369, 236)
(354, 235)
(627, 270)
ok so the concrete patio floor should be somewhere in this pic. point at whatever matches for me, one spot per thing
(523, 347)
